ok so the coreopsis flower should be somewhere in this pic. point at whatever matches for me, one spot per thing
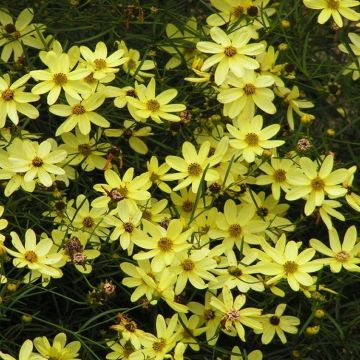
(188, 330)
(234, 317)
(59, 349)
(26, 353)
(285, 262)
(35, 256)
(85, 150)
(231, 53)
(80, 114)
(38, 161)
(120, 350)
(268, 66)
(59, 76)
(238, 224)
(355, 48)
(275, 175)
(152, 210)
(194, 167)
(247, 92)
(335, 9)
(157, 174)
(316, 183)
(14, 99)
(327, 210)
(279, 324)
(253, 355)
(3, 224)
(13, 36)
(345, 255)
(351, 197)
(130, 133)
(148, 104)
(117, 189)
(100, 64)
(251, 139)
(133, 65)
(291, 98)
(163, 245)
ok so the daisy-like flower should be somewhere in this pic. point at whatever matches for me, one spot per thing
(26, 353)
(355, 48)
(275, 175)
(148, 104)
(82, 149)
(157, 174)
(327, 210)
(334, 8)
(120, 350)
(279, 324)
(238, 224)
(13, 36)
(231, 52)
(351, 197)
(339, 255)
(14, 99)
(59, 76)
(248, 91)
(80, 113)
(251, 139)
(316, 183)
(133, 65)
(100, 64)
(284, 261)
(163, 245)
(253, 355)
(38, 161)
(59, 350)
(116, 189)
(188, 331)
(234, 317)
(35, 256)
(193, 167)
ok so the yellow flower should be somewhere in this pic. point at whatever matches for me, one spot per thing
(155, 106)
(120, 350)
(58, 350)
(308, 180)
(188, 331)
(35, 256)
(279, 324)
(248, 91)
(284, 261)
(13, 36)
(231, 52)
(157, 174)
(253, 355)
(334, 8)
(327, 209)
(339, 255)
(24, 354)
(13, 99)
(163, 244)
(193, 167)
(59, 76)
(80, 113)
(355, 48)
(234, 317)
(251, 139)
(100, 64)
(351, 197)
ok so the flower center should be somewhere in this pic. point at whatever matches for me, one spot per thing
(100, 64)
(60, 79)
(90, 78)
(60, 205)
(317, 184)
(165, 244)
(118, 194)
(249, 89)
(154, 177)
(7, 95)
(194, 169)
(209, 314)
(132, 64)
(187, 206)
(78, 109)
(153, 105)
(235, 271)
(84, 149)
(342, 256)
(333, 4)
(279, 175)
(130, 326)
(235, 230)
(290, 267)
(10, 28)
(238, 11)
(37, 162)
(159, 345)
(30, 256)
(230, 51)
(275, 320)
(188, 265)
(88, 222)
(233, 315)
(129, 227)
(252, 139)
(131, 93)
